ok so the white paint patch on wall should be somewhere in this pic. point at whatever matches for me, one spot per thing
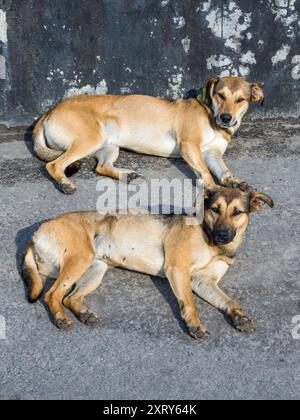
(218, 62)
(175, 85)
(230, 24)
(244, 71)
(55, 73)
(46, 105)
(100, 89)
(296, 69)
(231, 43)
(154, 21)
(285, 12)
(281, 54)
(3, 38)
(226, 67)
(206, 6)
(223, 64)
(125, 90)
(248, 58)
(179, 22)
(3, 27)
(2, 67)
(186, 43)
(165, 3)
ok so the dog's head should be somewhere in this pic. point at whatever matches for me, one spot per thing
(227, 212)
(229, 98)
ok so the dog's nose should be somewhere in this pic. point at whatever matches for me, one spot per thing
(226, 118)
(222, 236)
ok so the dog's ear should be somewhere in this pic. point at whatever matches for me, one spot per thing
(209, 194)
(202, 203)
(257, 93)
(210, 88)
(257, 201)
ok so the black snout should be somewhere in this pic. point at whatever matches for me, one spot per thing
(226, 118)
(223, 237)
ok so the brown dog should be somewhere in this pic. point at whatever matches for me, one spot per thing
(198, 131)
(78, 248)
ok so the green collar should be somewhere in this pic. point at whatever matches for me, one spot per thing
(203, 93)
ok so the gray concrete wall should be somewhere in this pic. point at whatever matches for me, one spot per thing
(50, 49)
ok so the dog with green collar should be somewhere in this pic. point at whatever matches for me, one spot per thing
(199, 131)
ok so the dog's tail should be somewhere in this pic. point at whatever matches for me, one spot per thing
(39, 142)
(31, 275)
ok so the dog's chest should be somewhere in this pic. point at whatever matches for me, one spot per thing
(213, 140)
(211, 264)
(202, 257)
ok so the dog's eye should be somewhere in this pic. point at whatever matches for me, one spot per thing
(221, 96)
(215, 210)
(237, 212)
(240, 100)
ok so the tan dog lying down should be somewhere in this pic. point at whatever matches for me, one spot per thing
(78, 248)
(197, 131)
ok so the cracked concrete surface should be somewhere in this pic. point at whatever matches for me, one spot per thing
(141, 350)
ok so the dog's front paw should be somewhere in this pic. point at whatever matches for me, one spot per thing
(242, 322)
(243, 186)
(231, 182)
(236, 183)
(198, 333)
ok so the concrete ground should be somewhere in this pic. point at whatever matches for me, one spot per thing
(141, 350)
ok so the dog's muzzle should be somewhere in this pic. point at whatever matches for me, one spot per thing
(223, 237)
(226, 122)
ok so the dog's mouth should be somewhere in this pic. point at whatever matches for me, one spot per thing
(221, 124)
(221, 242)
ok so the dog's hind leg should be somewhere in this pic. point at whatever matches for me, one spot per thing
(107, 156)
(72, 270)
(88, 283)
(78, 150)
(57, 168)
